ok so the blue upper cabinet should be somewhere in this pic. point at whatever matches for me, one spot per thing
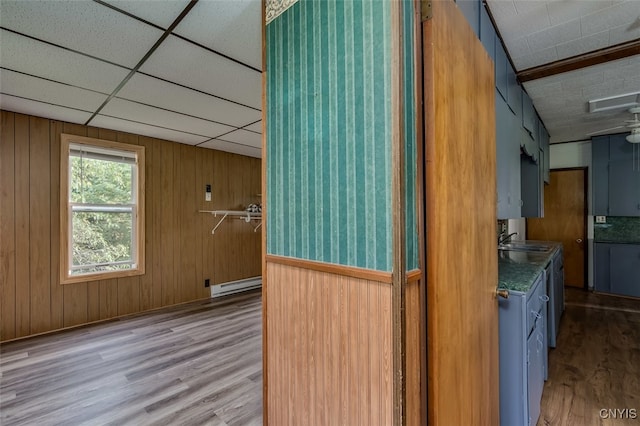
(600, 164)
(528, 113)
(514, 91)
(471, 10)
(616, 179)
(487, 33)
(501, 69)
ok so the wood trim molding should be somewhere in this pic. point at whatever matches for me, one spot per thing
(607, 54)
(414, 275)
(398, 219)
(332, 268)
(263, 237)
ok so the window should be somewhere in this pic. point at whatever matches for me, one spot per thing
(102, 209)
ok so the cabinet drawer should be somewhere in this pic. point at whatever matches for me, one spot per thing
(535, 302)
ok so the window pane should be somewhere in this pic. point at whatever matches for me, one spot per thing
(101, 238)
(100, 182)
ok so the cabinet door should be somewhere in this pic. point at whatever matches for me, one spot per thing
(514, 91)
(624, 188)
(600, 163)
(487, 33)
(501, 69)
(601, 270)
(528, 113)
(471, 10)
(625, 269)
(535, 371)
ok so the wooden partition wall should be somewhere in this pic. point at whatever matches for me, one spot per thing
(180, 250)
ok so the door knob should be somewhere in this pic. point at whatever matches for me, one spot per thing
(502, 293)
(579, 240)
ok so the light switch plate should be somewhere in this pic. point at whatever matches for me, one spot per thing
(207, 196)
(601, 219)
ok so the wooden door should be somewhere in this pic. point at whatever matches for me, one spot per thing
(565, 221)
(462, 262)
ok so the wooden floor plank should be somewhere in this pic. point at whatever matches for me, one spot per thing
(195, 363)
(596, 364)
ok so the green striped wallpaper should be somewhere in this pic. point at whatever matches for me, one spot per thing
(411, 154)
(329, 133)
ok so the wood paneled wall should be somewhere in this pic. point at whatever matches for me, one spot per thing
(330, 349)
(180, 250)
(413, 351)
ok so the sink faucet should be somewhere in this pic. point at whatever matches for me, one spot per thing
(507, 238)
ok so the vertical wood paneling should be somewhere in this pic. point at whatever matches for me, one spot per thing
(39, 225)
(180, 250)
(75, 296)
(412, 350)
(337, 353)
(57, 305)
(23, 240)
(146, 280)
(7, 228)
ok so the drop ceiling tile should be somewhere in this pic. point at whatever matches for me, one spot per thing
(563, 11)
(626, 32)
(234, 148)
(187, 64)
(583, 45)
(39, 109)
(146, 130)
(542, 90)
(579, 82)
(531, 7)
(121, 108)
(606, 89)
(255, 127)
(13, 83)
(536, 58)
(243, 137)
(622, 71)
(229, 27)
(152, 91)
(84, 26)
(502, 8)
(159, 12)
(33, 57)
(552, 36)
(624, 13)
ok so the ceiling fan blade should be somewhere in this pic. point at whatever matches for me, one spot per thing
(605, 130)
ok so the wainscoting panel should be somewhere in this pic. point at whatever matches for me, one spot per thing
(330, 348)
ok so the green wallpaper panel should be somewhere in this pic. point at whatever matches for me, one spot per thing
(617, 230)
(410, 136)
(329, 133)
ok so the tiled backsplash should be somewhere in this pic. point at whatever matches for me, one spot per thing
(617, 230)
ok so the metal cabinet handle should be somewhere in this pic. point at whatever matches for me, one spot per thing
(544, 298)
(502, 293)
(535, 314)
(579, 240)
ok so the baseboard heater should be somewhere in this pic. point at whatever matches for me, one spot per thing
(232, 287)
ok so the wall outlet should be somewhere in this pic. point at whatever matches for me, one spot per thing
(601, 219)
(207, 282)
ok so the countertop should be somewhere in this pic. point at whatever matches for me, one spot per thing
(517, 270)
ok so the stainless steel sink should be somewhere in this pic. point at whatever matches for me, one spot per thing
(525, 247)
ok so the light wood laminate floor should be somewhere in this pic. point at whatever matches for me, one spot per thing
(596, 364)
(199, 363)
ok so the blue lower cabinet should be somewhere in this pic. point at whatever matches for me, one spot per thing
(523, 352)
(617, 268)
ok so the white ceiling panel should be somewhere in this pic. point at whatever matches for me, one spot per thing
(36, 58)
(244, 137)
(231, 147)
(26, 106)
(558, 29)
(231, 27)
(14, 83)
(255, 127)
(150, 90)
(185, 63)
(146, 130)
(158, 117)
(159, 12)
(84, 26)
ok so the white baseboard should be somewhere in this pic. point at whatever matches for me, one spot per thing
(231, 287)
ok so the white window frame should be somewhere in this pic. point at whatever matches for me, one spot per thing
(137, 208)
